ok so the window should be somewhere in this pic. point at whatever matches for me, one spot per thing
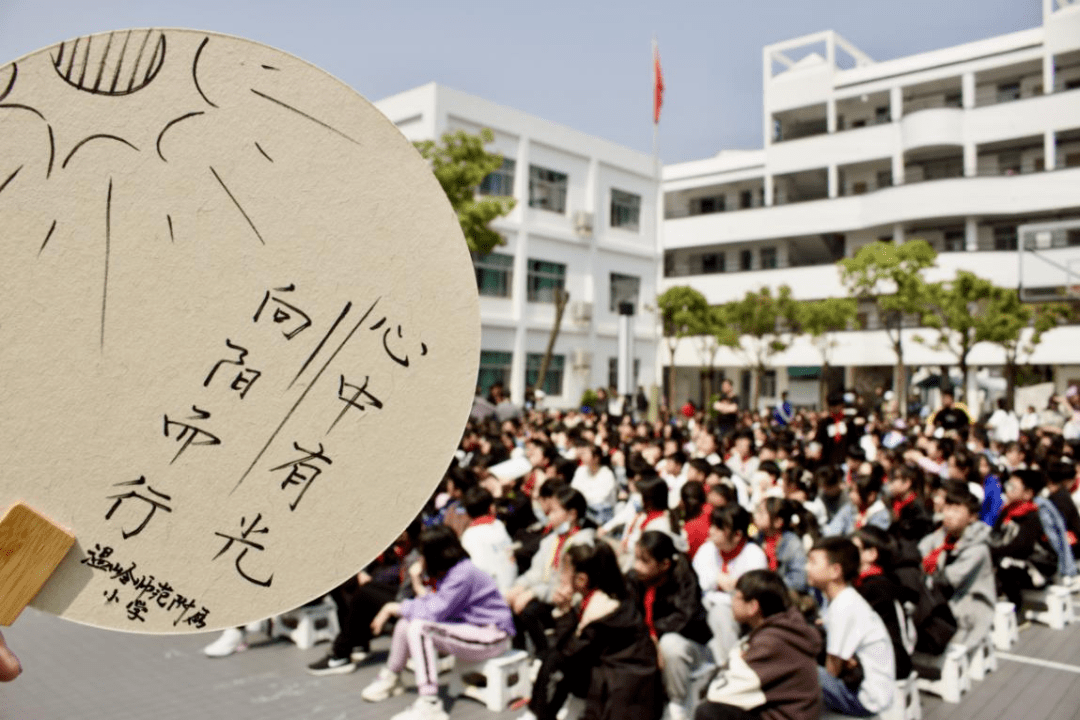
(954, 241)
(1040, 164)
(954, 100)
(768, 258)
(1072, 160)
(1008, 91)
(706, 205)
(613, 373)
(669, 264)
(882, 114)
(547, 189)
(552, 378)
(858, 188)
(544, 279)
(1072, 238)
(625, 210)
(858, 124)
(713, 263)
(494, 367)
(884, 178)
(768, 384)
(623, 288)
(494, 274)
(746, 199)
(500, 182)
(1005, 237)
(746, 259)
(1072, 84)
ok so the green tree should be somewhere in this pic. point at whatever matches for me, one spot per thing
(955, 308)
(1004, 322)
(460, 162)
(819, 318)
(758, 327)
(680, 309)
(708, 330)
(891, 276)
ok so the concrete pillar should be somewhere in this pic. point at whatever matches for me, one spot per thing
(834, 182)
(896, 103)
(768, 195)
(1048, 73)
(898, 234)
(971, 234)
(967, 90)
(830, 115)
(1049, 150)
(849, 377)
(898, 166)
(971, 160)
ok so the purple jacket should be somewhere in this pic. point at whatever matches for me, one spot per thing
(465, 595)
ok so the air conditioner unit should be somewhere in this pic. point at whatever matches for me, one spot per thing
(581, 311)
(582, 359)
(583, 223)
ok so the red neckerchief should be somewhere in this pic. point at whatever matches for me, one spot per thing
(1075, 485)
(650, 598)
(585, 603)
(930, 562)
(899, 505)
(652, 515)
(860, 519)
(726, 557)
(1017, 509)
(547, 528)
(559, 545)
(770, 551)
(869, 572)
(482, 520)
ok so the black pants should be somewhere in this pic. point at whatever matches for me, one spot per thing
(357, 606)
(1012, 581)
(719, 711)
(553, 688)
(533, 620)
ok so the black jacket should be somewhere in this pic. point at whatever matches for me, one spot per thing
(677, 607)
(608, 658)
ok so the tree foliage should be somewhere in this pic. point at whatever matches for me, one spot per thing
(758, 327)
(460, 162)
(819, 319)
(956, 309)
(681, 309)
(891, 276)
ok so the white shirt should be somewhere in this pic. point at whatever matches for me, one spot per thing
(490, 548)
(1005, 426)
(853, 628)
(598, 489)
(707, 564)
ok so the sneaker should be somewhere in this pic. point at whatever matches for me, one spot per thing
(231, 640)
(386, 685)
(331, 665)
(359, 655)
(425, 708)
(675, 711)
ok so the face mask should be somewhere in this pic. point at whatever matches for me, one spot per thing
(564, 528)
(538, 511)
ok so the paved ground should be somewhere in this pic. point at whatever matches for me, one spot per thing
(71, 671)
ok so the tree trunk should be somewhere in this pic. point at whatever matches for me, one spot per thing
(823, 386)
(900, 380)
(561, 298)
(671, 377)
(759, 375)
(1010, 380)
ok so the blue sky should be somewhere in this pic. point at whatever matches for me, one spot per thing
(582, 64)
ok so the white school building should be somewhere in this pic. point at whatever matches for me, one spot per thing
(960, 146)
(585, 221)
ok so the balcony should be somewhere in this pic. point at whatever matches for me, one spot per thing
(953, 197)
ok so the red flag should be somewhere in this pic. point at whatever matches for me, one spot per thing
(658, 85)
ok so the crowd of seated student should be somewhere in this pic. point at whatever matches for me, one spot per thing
(674, 569)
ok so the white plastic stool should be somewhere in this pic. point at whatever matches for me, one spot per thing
(314, 624)
(982, 659)
(1058, 603)
(1006, 633)
(954, 679)
(906, 704)
(506, 679)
